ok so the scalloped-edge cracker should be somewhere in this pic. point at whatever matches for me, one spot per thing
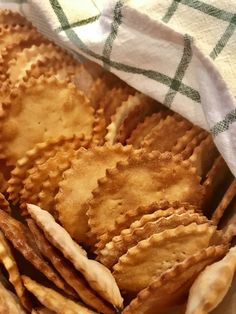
(54, 300)
(79, 181)
(159, 253)
(171, 287)
(130, 237)
(192, 144)
(67, 271)
(97, 275)
(18, 234)
(9, 302)
(30, 118)
(143, 179)
(212, 284)
(183, 141)
(8, 261)
(9, 17)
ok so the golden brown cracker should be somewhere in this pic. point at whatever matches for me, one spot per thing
(9, 17)
(97, 275)
(212, 284)
(67, 271)
(54, 300)
(19, 236)
(24, 116)
(4, 203)
(141, 180)
(184, 140)
(159, 253)
(9, 303)
(171, 287)
(97, 90)
(78, 183)
(99, 128)
(188, 150)
(128, 238)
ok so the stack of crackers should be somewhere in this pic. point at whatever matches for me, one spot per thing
(110, 202)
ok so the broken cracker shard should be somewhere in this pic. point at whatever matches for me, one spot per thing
(97, 275)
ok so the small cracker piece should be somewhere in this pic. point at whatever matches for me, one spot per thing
(37, 155)
(9, 302)
(128, 238)
(227, 198)
(7, 259)
(159, 253)
(171, 287)
(67, 271)
(79, 181)
(29, 115)
(54, 300)
(212, 284)
(97, 275)
(20, 238)
(143, 179)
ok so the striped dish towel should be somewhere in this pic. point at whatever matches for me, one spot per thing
(180, 52)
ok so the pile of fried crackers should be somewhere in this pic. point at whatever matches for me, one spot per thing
(110, 202)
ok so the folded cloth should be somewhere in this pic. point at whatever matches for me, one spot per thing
(180, 52)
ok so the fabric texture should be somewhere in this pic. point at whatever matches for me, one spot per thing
(180, 52)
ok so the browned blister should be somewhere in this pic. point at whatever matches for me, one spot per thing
(21, 239)
(30, 116)
(143, 179)
(130, 237)
(159, 253)
(171, 288)
(67, 271)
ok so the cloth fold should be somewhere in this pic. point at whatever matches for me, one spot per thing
(180, 52)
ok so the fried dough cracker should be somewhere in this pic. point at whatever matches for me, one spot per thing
(24, 59)
(227, 198)
(97, 91)
(9, 302)
(217, 180)
(38, 155)
(171, 287)
(4, 203)
(54, 300)
(143, 179)
(67, 271)
(141, 215)
(128, 238)
(183, 141)
(41, 186)
(8, 17)
(20, 238)
(165, 135)
(212, 284)
(204, 156)
(99, 127)
(159, 253)
(124, 111)
(188, 151)
(145, 127)
(23, 122)
(98, 276)
(78, 183)
(228, 221)
(8, 261)
(13, 34)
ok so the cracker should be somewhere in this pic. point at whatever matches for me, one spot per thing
(67, 271)
(29, 115)
(188, 150)
(171, 288)
(184, 140)
(212, 284)
(9, 302)
(37, 155)
(128, 238)
(17, 68)
(7, 259)
(165, 135)
(4, 203)
(204, 156)
(8, 17)
(42, 310)
(224, 203)
(78, 183)
(20, 238)
(141, 215)
(143, 179)
(54, 300)
(126, 109)
(145, 127)
(98, 276)
(99, 128)
(159, 253)
(228, 221)
(97, 91)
